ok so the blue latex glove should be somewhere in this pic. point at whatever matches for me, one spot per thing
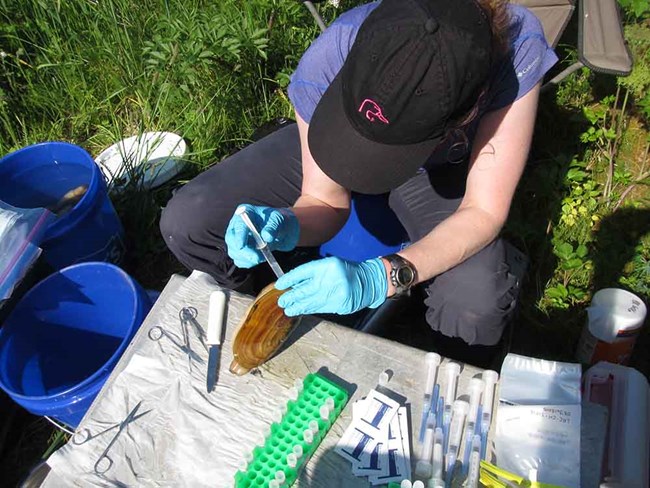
(278, 227)
(333, 285)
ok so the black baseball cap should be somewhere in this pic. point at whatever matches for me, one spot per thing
(415, 65)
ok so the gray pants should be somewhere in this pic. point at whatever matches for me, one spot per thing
(473, 301)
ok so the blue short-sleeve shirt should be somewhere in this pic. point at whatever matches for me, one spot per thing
(529, 58)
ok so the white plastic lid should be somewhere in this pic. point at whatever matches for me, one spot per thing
(156, 157)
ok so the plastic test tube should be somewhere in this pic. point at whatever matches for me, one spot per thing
(432, 360)
(476, 386)
(460, 408)
(262, 245)
(474, 463)
(490, 378)
(423, 466)
(452, 370)
(436, 465)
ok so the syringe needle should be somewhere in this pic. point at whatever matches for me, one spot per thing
(262, 245)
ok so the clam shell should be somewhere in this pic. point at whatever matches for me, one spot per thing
(262, 331)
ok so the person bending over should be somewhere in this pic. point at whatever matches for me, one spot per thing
(432, 102)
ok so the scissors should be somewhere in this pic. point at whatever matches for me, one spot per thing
(104, 462)
(156, 333)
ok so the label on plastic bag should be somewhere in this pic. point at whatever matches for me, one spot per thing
(542, 440)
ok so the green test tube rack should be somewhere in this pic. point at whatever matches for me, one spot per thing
(274, 455)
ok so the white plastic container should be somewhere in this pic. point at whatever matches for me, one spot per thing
(625, 393)
(155, 157)
(614, 321)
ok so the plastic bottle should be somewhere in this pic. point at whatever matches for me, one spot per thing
(614, 321)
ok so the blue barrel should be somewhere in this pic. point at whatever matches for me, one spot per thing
(64, 337)
(372, 230)
(40, 176)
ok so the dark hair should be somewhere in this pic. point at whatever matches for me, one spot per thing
(499, 19)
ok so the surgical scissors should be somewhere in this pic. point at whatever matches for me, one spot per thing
(156, 333)
(104, 462)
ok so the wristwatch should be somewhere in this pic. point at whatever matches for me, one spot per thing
(402, 273)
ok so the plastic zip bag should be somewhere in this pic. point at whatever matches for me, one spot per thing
(21, 231)
(538, 420)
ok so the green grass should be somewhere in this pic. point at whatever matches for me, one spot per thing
(94, 72)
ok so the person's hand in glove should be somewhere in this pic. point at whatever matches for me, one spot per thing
(278, 227)
(333, 285)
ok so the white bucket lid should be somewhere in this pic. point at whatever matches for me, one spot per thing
(156, 157)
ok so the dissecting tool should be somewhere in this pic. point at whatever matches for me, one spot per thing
(216, 311)
(156, 333)
(104, 462)
(262, 245)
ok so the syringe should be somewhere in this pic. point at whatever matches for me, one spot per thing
(490, 378)
(262, 245)
(432, 361)
(476, 386)
(452, 370)
(460, 408)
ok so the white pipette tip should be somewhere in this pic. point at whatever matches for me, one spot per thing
(293, 393)
(280, 476)
(292, 460)
(329, 403)
(384, 378)
(313, 425)
(243, 465)
(297, 450)
(248, 457)
(418, 484)
(324, 412)
(277, 415)
(298, 385)
(274, 484)
(308, 436)
(406, 484)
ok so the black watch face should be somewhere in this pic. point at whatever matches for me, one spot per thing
(405, 275)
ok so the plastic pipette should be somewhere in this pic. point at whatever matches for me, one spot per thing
(262, 245)
(460, 408)
(452, 370)
(476, 386)
(423, 466)
(432, 360)
(490, 378)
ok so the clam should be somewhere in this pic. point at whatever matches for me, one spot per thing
(262, 331)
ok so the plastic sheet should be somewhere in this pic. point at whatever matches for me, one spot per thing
(195, 439)
(21, 230)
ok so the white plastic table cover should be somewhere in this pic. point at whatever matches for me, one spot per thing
(192, 438)
(188, 437)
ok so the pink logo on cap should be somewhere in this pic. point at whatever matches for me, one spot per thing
(373, 111)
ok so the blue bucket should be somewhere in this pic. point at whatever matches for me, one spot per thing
(63, 339)
(39, 176)
(372, 230)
